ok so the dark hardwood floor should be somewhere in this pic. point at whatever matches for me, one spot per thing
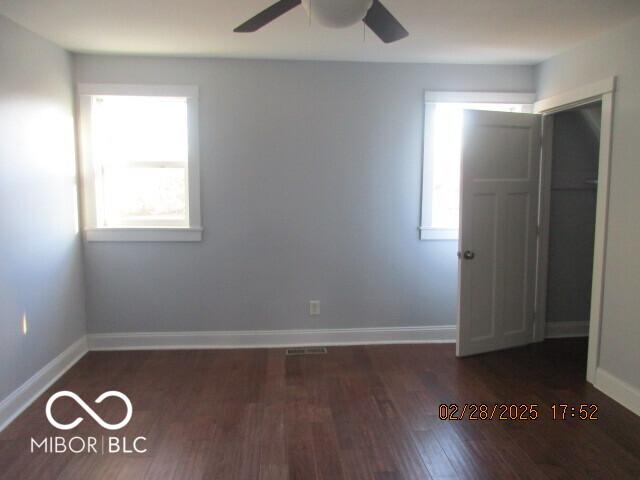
(367, 412)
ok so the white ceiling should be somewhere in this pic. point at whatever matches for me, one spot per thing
(460, 31)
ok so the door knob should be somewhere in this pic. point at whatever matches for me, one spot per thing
(468, 255)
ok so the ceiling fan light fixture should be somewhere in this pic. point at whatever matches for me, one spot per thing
(334, 14)
(337, 13)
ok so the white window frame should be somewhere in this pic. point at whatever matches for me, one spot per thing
(427, 232)
(96, 233)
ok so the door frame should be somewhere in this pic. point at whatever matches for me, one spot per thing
(601, 91)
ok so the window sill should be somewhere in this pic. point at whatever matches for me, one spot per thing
(428, 233)
(193, 234)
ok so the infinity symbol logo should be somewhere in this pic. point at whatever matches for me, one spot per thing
(89, 410)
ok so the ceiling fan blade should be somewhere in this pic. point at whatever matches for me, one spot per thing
(383, 24)
(269, 14)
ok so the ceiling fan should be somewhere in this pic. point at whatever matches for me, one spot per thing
(335, 14)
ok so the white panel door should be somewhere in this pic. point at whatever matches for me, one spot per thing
(498, 230)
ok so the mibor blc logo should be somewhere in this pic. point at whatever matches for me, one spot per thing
(89, 444)
(89, 410)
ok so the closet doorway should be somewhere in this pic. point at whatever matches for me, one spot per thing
(572, 220)
(574, 196)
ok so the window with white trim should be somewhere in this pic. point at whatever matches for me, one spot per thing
(442, 150)
(140, 162)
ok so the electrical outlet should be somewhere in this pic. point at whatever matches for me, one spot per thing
(314, 307)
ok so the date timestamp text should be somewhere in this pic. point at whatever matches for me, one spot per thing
(516, 411)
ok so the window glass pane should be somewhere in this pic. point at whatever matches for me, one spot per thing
(447, 140)
(128, 133)
(139, 129)
(446, 122)
(134, 195)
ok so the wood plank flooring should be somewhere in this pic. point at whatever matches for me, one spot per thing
(366, 412)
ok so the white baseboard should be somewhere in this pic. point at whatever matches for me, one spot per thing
(270, 338)
(617, 389)
(18, 400)
(566, 329)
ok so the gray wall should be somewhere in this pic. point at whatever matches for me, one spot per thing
(40, 249)
(615, 53)
(311, 190)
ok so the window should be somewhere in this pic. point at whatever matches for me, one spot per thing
(140, 162)
(442, 150)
